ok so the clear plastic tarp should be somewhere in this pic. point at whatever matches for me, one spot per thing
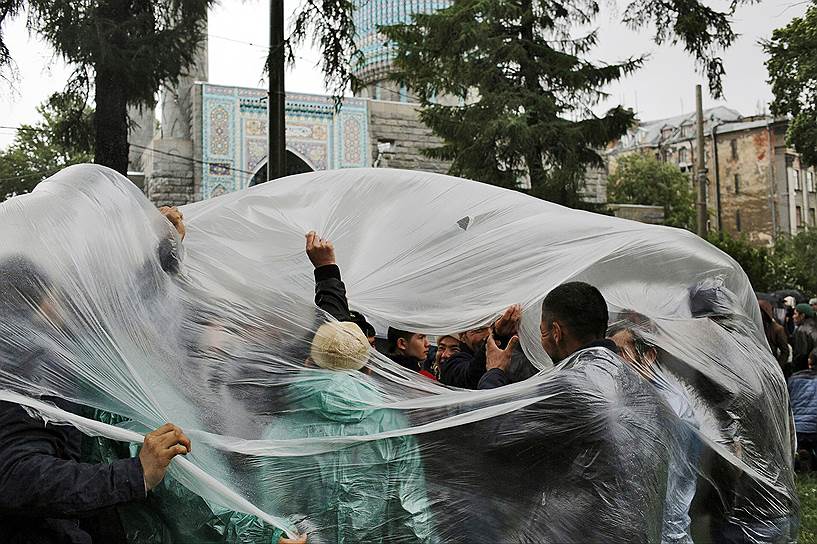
(690, 436)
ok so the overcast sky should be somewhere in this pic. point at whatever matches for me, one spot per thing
(239, 35)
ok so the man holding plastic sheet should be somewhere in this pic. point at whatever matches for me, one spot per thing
(373, 491)
(46, 494)
(465, 368)
(585, 461)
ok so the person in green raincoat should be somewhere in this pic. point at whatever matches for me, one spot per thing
(373, 491)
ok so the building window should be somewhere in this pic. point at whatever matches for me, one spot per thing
(737, 184)
(794, 178)
(686, 131)
(812, 216)
(733, 145)
(683, 156)
(737, 220)
(810, 181)
(799, 216)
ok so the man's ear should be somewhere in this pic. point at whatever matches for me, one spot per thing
(556, 331)
(402, 344)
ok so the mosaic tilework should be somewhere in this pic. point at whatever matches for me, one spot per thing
(368, 16)
(234, 134)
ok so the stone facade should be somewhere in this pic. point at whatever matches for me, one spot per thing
(399, 137)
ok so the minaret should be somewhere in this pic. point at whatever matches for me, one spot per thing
(168, 164)
(378, 55)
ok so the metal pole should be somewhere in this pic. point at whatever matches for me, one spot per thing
(703, 215)
(276, 145)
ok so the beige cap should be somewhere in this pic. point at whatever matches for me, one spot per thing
(340, 346)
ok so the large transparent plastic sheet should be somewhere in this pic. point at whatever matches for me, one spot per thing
(594, 449)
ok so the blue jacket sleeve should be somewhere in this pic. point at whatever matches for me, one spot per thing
(37, 480)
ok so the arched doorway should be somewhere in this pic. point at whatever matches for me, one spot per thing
(295, 165)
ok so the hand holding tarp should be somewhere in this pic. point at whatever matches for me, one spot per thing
(508, 323)
(176, 218)
(159, 448)
(321, 252)
(496, 357)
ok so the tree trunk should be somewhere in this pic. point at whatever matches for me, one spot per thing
(533, 156)
(111, 122)
(111, 93)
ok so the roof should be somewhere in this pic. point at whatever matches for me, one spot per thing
(649, 133)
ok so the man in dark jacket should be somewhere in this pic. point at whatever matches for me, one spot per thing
(464, 369)
(558, 463)
(409, 350)
(776, 336)
(574, 318)
(805, 336)
(803, 398)
(46, 494)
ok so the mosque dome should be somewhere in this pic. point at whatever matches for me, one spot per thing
(368, 16)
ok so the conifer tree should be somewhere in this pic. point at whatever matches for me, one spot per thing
(509, 87)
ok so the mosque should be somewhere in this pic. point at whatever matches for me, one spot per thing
(212, 139)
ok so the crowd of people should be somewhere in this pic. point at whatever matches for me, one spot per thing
(51, 491)
(793, 342)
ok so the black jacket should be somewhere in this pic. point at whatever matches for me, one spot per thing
(497, 378)
(46, 494)
(558, 470)
(465, 368)
(330, 293)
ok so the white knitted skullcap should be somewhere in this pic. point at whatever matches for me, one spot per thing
(340, 346)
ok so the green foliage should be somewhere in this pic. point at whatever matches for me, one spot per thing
(527, 87)
(792, 67)
(756, 261)
(643, 179)
(807, 491)
(794, 258)
(533, 117)
(789, 264)
(126, 48)
(330, 26)
(63, 137)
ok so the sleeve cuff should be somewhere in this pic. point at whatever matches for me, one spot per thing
(130, 479)
(327, 272)
(495, 377)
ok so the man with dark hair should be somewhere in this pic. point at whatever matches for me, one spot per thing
(574, 318)
(587, 459)
(466, 367)
(360, 320)
(409, 350)
(805, 336)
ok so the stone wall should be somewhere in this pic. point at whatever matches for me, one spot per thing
(399, 125)
(744, 169)
(170, 178)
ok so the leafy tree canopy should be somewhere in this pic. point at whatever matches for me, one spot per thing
(792, 67)
(643, 179)
(63, 136)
